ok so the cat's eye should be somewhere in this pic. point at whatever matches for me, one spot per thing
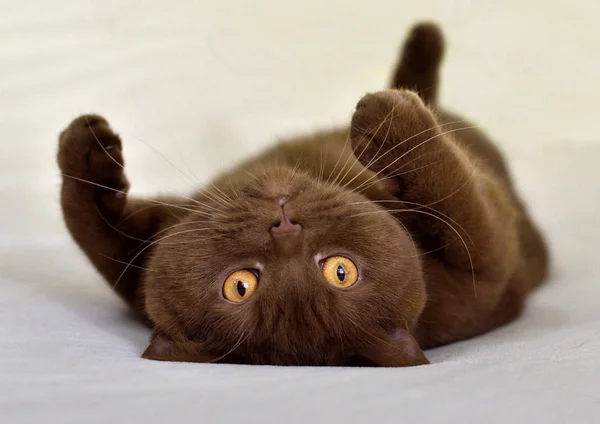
(339, 271)
(240, 285)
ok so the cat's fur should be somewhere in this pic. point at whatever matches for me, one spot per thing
(418, 198)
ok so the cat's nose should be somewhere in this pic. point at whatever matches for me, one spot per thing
(285, 225)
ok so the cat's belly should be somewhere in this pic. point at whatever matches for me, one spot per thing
(326, 156)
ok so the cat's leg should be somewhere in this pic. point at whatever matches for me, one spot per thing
(420, 59)
(464, 220)
(109, 226)
(449, 202)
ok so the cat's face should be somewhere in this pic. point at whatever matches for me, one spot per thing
(238, 282)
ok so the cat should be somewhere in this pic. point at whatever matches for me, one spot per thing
(356, 246)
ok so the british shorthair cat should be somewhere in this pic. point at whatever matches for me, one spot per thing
(357, 246)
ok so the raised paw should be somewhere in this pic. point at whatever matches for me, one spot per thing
(388, 124)
(91, 153)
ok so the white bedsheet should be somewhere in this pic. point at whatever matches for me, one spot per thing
(207, 82)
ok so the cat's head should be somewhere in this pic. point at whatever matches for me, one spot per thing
(285, 269)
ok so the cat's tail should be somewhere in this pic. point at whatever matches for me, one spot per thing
(420, 59)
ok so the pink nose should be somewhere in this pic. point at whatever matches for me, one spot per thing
(285, 226)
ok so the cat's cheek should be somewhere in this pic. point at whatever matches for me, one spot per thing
(164, 348)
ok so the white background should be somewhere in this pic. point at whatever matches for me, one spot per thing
(206, 83)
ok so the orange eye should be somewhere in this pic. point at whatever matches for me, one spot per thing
(340, 271)
(240, 285)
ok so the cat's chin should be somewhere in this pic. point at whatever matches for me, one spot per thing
(400, 349)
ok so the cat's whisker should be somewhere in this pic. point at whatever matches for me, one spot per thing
(427, 252)
(361, 188)
(189, 180)
(431, 128)
(234, 191)
(138, 211)
(207, 206)
(191, 241)
(336, 179)
(365, 185)
(213, 197)
(152, 244)
(418, 206)
(221, 195)
(412, 240)
(425, 89)
(370, 335)
(467, 180)
(170, 205)
(376, 158)
(198, 204)
(89, 126)
(323, 161)
(440, 219)
(93, 183)
(189, 170)
(193, 230)
(357, 158)
(251, 175)
(296, 167)
(243, 337)
(107, 222)
(338, 159)
(225, 195)
(197, 180)
(195, 241)
(319, 175)
(125, 263)
(180, 224)
(459, 188)
(389, 118)
(416, 147)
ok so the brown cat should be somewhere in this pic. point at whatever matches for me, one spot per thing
(354, 246)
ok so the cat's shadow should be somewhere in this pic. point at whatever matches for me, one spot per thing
(65, 277)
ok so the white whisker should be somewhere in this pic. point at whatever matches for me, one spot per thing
(436, 217)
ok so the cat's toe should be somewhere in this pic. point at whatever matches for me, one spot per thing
(400, 111)
(90, 150)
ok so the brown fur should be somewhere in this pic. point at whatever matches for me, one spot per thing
(422, 204)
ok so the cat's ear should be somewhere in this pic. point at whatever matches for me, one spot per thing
(399, 349)
(164, 348)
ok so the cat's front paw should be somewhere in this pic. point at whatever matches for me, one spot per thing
(387, 124)
(91, 153)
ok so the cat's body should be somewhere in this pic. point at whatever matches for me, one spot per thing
(420, 209)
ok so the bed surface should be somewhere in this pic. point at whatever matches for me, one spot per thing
(206, 83)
